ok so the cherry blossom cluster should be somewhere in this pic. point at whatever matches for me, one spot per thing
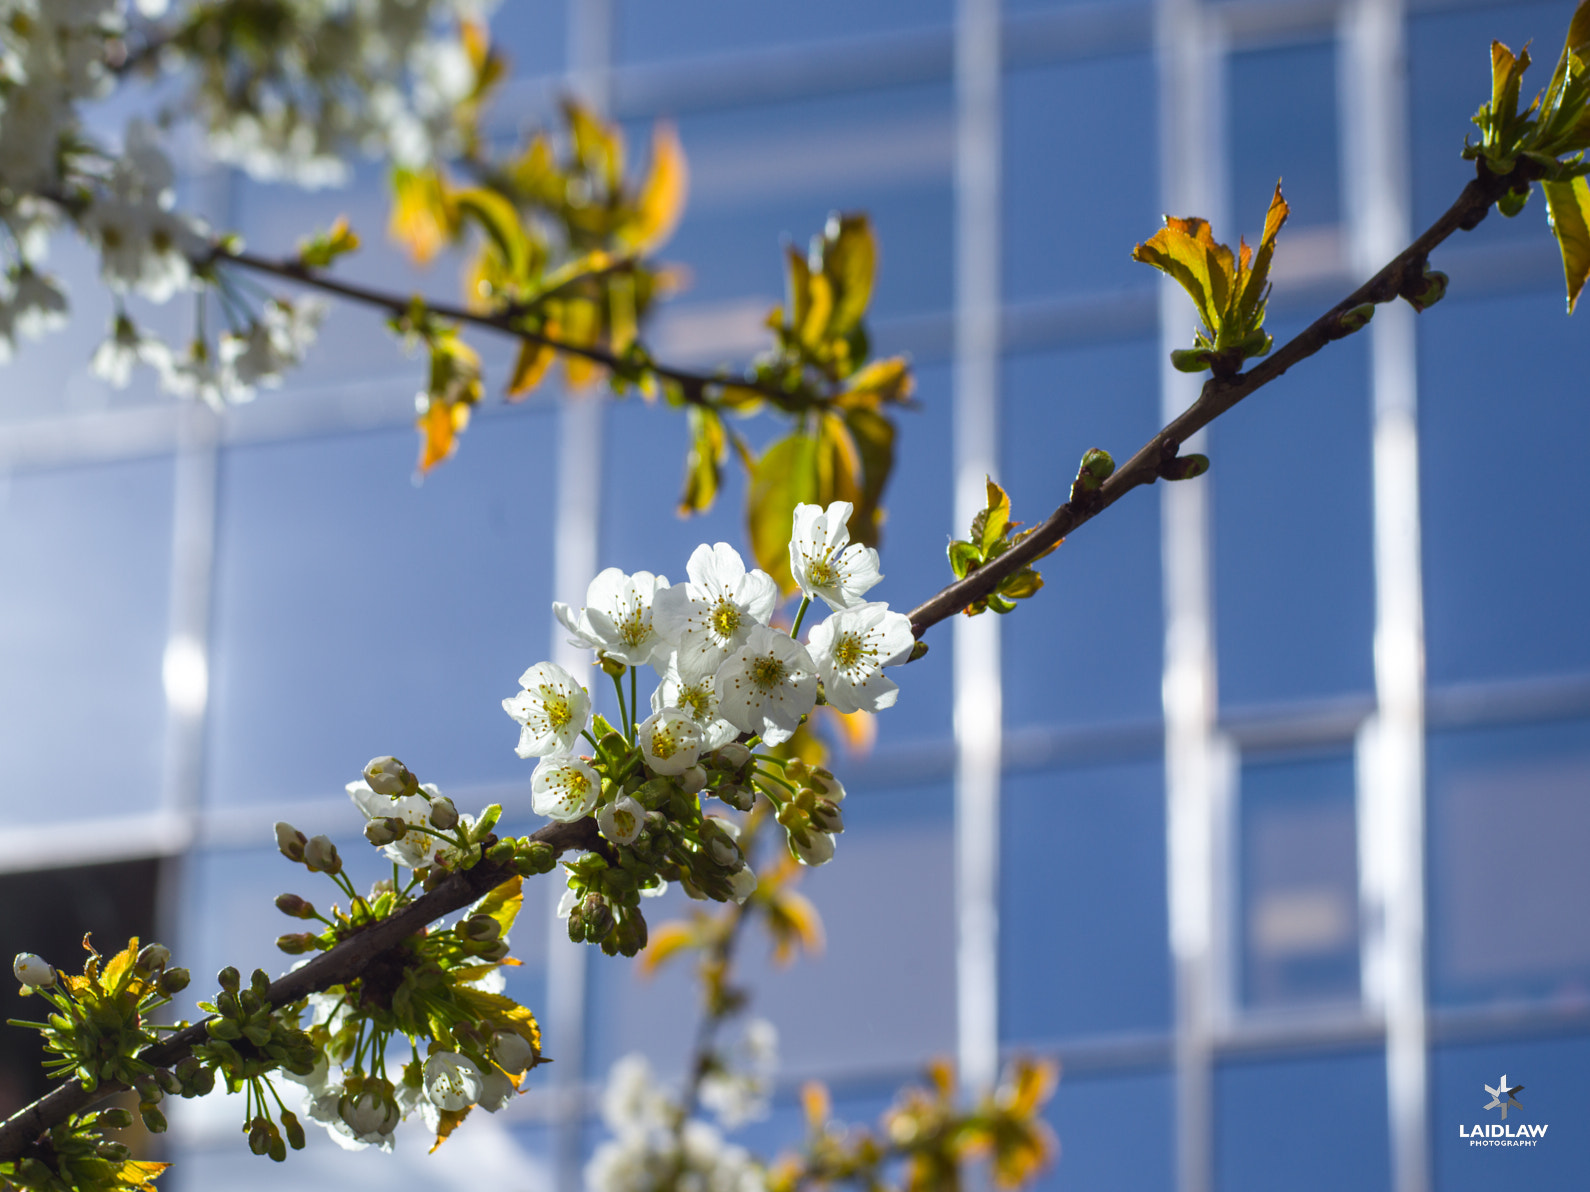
(726, 681)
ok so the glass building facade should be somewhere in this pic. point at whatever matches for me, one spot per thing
(1278, 795)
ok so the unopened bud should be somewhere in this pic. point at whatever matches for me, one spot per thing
(825, 814)
(496, 952)
(512, 1051)
(321, 855)
(631, 933)
(598, 916)
(733, 756)
(797, 770)
(154, 1120)
(292, 904)
(152, 957)
(1427, 290)
(229, 979)
(295, 1129)
(260, 982)
(116, 1152)
(33, 971)
(259, 1136)
(116, 1119)
(736, 796)
(290, 841)
(480, 929)
(174, 980)
(298, 942)
(1184, 467)
(388, 776)
(537, 857)
(444, 815)
(692, 780)
(918, 650)
(385, 830)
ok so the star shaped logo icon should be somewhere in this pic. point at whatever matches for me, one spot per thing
(1502, 1096)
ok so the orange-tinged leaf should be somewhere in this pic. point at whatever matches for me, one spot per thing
(439, 427)
(793, 922)
(448, 1120)
(119, 968)
(422, 219)
(530, 367)
(817, 1105)
(504, 1013)
(1568, 206)
(503, 903)
(138, 1173)
(665, 942)
(879, 382)
(1259, 274)
(1185, 249)
(941, 1072)
(662, 197)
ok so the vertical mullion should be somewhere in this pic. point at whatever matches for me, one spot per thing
(978, 713)
(1197, 776)
(1391, 788)
(575, 547)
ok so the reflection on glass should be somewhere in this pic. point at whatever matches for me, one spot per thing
(1299, 879)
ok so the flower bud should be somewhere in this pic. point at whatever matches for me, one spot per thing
(170, 1083)
(174, 980)
(598, 916)
(116, 1119)
(812, 848)
(797, 770)
(33, 971)
(738, 797)
(385, 830)
(296, 943)
(229, 979)
(154, 1120)
(733, 757)
(388, 776)
(742, 884)
(292, 904)
(116, 1152)
(295, 1130)
(826, 816)
(152, 957)
(259, 1136)
(512, 1051)
(321, 855)
(444, 815)
(537, 856)
(498, 951)
(260, 982)
(290, 841)
(824, 783)
(692, 780)
(479, 929)
(631, 935)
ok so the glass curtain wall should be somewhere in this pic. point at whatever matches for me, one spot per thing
(1283, 812)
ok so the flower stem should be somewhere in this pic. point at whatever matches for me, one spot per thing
(634, 717)
(623, 712)
(800, 615)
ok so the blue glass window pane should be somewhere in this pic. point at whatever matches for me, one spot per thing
(1294, 582)
(1115, 1131)
(1315, 1125)
(650, 30)
(889, 959)
(1299, 879)
(1555, 1095)
(1089, 646)
(1509, 829)
(1283, 126)
(358, 614)
(1504, 509)
(1096, 834)
(1449, 68)
(762, 176)
(533, 34)
(1062, 237)
(84, 612)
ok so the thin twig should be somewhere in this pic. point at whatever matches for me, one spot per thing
(1219, 394)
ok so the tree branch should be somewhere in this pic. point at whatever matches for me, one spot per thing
(340, 965)
(1404, 271)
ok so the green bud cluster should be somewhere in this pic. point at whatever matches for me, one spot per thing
(249, 1037)
(76, 1156)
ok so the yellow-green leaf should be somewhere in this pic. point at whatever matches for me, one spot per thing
(500, 221)
(995, 518)
(703, 466)
(503, 903)
(439, 426)
(1258, 275)
(665, 942)
(850, 259)
(784, 476)
(662, 197)
(813, 327)
(1568, 204)
(422, 219)
(579, 321)
(798, 286)
(1186, 250)
(534, 174)
(873, 435)
(838, 463)
(529, 367)
(598, 146)
(118, 969)
(881, 381)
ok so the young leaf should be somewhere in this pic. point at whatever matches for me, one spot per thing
(422, 219)
(1568, 204)
(703, 467)
(850, 259)
(1186, 251)
(662, 196)
(995, 519)
(1251, 305)
(784, 476)
(323, 248)
(873, 435)
(500, 221)
(530, 366)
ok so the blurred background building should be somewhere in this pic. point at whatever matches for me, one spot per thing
(1279, 793)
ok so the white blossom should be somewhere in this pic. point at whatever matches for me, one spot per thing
(33, 971)
(737, 1089)
(698, 697)
(553, 709)
(621, 820)
(670, 741)
(273, 343)
(512, 1051)
(712, 615)
(564, 788)
(742, 884)
(617, 617)
(852, 647)
(452, 1081)
(416, 848)
(767, 686)
(823, 560)
(817, 848)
